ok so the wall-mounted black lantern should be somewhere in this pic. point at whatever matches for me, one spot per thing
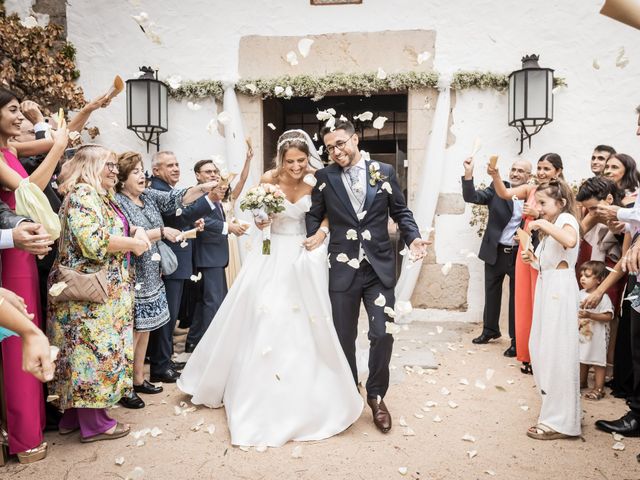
(147, 111)
(530, 98)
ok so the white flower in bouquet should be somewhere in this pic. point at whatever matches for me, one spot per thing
(264, 200)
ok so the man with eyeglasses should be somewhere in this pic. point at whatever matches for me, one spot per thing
(358, 196)
(599, 158)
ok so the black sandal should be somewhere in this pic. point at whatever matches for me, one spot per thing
(526, 368)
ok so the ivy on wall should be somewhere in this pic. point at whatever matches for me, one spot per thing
(365, 84)
(37, 63)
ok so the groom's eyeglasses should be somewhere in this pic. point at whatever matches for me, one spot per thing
(340, 144)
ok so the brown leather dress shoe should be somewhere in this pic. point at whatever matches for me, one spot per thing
(381, 416)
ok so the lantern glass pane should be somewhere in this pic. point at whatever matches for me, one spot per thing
(520, 86)
(154, 104)
(164, 115)
(138, 99)
(511, 94)
(537, 94)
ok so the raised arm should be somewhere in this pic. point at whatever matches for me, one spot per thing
(567, 236)
(237, 190)
(521, 192)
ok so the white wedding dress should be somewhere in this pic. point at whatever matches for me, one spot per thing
(271, 355)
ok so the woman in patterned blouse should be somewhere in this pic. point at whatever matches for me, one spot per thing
(95, 339)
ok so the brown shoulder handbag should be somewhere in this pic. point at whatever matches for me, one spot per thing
(81, 287)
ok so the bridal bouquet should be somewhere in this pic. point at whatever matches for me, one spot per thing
(264, 200)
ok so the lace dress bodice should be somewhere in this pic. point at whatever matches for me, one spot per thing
(292, 220)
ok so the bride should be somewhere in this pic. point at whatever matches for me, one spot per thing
(271, 355)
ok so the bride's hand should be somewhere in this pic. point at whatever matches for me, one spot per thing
(314, 241)
(262, 224)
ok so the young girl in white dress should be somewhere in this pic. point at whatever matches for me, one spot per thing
(271, 355)
(594, 329)
(553, 343)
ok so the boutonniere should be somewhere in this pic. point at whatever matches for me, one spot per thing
(375, 176)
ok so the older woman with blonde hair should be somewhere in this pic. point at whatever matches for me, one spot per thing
(144, 208)
(95, 337)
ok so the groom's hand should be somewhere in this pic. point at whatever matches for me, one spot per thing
(314, 241)
(419, 248)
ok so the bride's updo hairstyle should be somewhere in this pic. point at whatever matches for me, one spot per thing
(287, 140)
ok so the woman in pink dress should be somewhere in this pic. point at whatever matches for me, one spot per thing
(23, 392)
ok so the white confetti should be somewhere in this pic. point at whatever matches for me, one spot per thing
(137, 286)
(354, 263)
(322, 186)
(297, 452)
(366, 235)
(380, 300)
(324, 115)
(310, 179)
(178, 212)
(288, 92)
(402, 421)
(342, 258)
(446, 268)
(387, 187)
(439, 329)
(444, 391)
(381, 74)
(278, 90)
(364, 116)
(184, 243)
(618, 446)
(468, 438)
(379, 122)
(29, 22)
(596, 64)
(304, 46)
(403, 470)
(479, 384)
(330, 124)
(212, 126)
(489, 373)
(136, 474)
(224, 118)
(437, 419)
(119, 460)
(472, 453)
(174, 81)
(292, 58)
(57, 288)
(361, 215)
(155, 431)
(452, 404)
(510, 382)
(196, 278)
(431, 403)
(251, 87)
(622, 60)
(408, 432)
(352, 234)
(418, 415)
(491, 473)
(193, 106)
(271, 126)
(392, 328)
(463, 381)
(244, 448)
(392, 314)
(524, 407)
(617, 437)
(140, 443)
(211, 429)
(266, 351)
(423, 57)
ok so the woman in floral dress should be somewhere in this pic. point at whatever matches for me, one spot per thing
(95, 339)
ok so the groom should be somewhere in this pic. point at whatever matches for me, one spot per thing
(357, 197)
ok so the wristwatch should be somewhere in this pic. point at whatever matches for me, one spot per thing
(325, 230)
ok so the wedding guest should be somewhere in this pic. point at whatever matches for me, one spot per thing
(553, 343)
(622, 169)
(629, 424)
(166, 174)
(18, 232)
(594, 329)
(144, 208)
(549, 167)
(228, 203)
(95, 339)
(23, 393)
(599, 158)
(499, 248)
(14, 319)
(211, 254)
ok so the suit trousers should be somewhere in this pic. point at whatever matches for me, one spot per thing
(214, 289)
(634, 399)
(493, 280)
(161, 339)
(345, 305)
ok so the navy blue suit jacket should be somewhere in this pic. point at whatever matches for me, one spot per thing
(211, 246)
(190, 214)
(330, 198)
(500, 212)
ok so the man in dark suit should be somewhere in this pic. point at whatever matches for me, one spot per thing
(499, 248)
(358, 196)
(166, 174)
(211, 254)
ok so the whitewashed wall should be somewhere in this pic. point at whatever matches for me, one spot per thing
(200, 40)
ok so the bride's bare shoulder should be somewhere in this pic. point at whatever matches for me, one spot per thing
(269, 177)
